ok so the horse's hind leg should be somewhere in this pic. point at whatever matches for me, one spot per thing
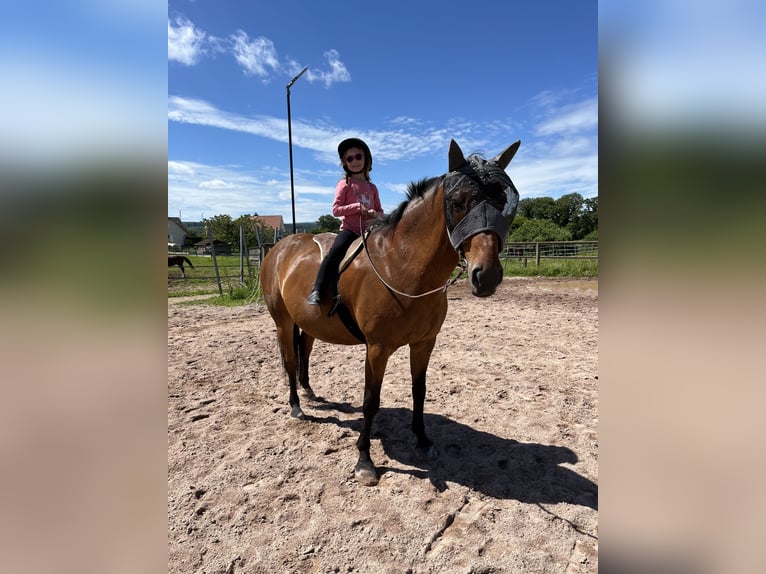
(305, 345)
(420, 355)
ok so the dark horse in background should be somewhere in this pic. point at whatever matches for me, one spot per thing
(394, 294)
(179, 260)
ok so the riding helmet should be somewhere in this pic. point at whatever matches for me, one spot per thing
(346, 145)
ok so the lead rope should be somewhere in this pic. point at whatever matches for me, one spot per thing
(448, 284)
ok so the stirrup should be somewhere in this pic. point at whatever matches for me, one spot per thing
(314, 298)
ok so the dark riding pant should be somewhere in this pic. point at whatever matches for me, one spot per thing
(328, 270)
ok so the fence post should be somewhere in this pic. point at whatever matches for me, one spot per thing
(215, 261)
(247, 257)
(260, 249)
(242, 253)
(537, 253)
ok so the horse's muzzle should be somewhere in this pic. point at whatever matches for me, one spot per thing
(484, 280)
(484, 269)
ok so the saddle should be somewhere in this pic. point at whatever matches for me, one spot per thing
(325, 241)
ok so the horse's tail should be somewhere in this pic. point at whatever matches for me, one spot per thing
(186, 259)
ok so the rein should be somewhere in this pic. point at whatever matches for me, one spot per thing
(448, 284)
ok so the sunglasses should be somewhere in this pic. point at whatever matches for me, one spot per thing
(356, 157)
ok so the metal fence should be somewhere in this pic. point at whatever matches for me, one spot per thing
(538, 250)
(523, 251)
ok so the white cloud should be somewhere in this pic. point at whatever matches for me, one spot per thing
(257, 56)
(199, 190)
(216, 184)
(561, 159)
(408, 140)
(199, 112)
(336, 73)
(180, 167)
(185, 42)
(553, 176)
(571, 118)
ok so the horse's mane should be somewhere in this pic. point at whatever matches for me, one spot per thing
(415, 190)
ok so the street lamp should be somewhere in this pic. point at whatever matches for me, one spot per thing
(290, 142)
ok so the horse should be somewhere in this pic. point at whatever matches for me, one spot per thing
(395, 294)
(179, 261)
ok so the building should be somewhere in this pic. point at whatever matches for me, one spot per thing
(177, 232)
(274, 222)
(221, 247)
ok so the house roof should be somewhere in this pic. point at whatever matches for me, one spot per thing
(273, 221)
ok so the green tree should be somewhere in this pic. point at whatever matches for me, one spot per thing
(327, 223)
(540, 230)
(569, 212)
(517, 222)
(585, 222)
(566, 209)
(222, 228)
(537, 207)
(252, 229)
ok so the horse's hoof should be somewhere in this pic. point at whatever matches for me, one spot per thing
(308, 392)
(366, 475)
(297, 413)
(426, 454)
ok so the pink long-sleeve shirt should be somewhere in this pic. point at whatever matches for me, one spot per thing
(350, 199)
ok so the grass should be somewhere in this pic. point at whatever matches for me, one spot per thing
(201, 280)
(551, 268)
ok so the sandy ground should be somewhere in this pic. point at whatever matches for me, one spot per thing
(511, 408)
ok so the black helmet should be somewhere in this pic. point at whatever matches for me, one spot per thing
(346, 145)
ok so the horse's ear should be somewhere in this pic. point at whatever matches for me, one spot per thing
(504, 158)
(456, 159)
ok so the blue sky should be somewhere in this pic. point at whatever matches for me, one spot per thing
(404, 76)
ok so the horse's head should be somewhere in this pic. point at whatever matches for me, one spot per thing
(480, 202)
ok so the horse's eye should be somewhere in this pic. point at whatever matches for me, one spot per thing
(458, 205)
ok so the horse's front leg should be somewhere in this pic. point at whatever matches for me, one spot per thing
(420, 355)
(374, 368)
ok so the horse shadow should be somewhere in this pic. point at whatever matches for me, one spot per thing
(496, 466)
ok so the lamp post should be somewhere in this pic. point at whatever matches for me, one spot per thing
(290, 142)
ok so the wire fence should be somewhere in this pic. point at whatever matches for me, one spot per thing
(246, 270)
(538, 250)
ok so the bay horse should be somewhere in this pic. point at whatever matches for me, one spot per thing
(179, 261)
(395, 294)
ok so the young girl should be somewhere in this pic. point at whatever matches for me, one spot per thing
(356, 202)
